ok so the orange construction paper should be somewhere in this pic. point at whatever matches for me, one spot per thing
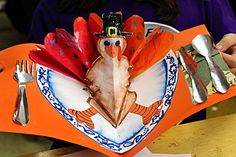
(46, 121)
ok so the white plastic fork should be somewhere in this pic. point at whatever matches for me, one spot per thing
(23, 74)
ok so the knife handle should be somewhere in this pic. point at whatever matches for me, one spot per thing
(199, 91)
(218, 77)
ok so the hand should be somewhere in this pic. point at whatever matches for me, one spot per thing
(227, 47)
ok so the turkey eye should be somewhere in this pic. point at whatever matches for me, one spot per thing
(117, 43)
(106, 43)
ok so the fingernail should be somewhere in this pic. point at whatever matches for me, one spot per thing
(219, 47)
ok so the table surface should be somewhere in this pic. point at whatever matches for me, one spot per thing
(215, 137)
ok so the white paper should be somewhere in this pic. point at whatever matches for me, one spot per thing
(144, 153)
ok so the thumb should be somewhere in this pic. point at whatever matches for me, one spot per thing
(226, 42)
(229, 59)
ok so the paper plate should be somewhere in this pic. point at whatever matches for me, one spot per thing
(155, 84)
(150, 26)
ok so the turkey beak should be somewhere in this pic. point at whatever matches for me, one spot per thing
(114, 51)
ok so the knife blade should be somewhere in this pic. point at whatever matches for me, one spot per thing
(199, 91)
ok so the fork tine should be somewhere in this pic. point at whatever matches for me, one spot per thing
(32, 69)
(27, 66)
(17, 69)
(22, 66)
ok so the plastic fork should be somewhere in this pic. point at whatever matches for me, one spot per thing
(23, 74)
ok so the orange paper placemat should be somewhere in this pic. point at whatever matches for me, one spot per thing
(46, 121)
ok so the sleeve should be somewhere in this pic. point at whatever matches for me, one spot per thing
(42, 22)
(47, 18)
(220, 18)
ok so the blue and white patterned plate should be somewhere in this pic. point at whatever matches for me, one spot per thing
(156, 83)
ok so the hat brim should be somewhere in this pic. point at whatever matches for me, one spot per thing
(103, 34)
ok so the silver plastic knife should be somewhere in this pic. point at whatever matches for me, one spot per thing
(199, 91)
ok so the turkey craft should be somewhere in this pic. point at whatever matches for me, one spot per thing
(115, 93)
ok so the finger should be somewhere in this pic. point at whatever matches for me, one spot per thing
(229, 59)
(231, 50)
(233, 70)
(226, 42)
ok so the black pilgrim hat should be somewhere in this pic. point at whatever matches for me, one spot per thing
(112, 25)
